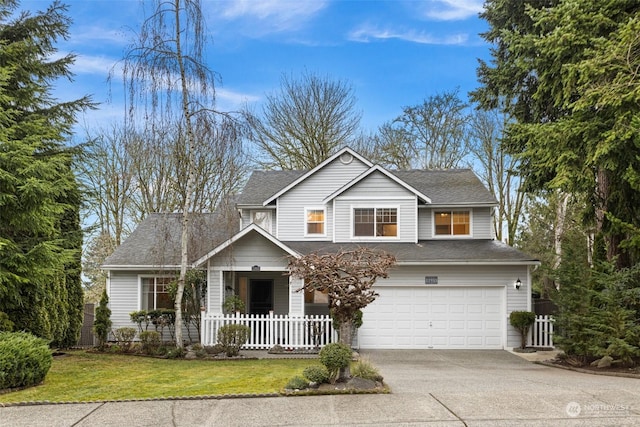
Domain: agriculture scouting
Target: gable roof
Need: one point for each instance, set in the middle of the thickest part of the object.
(317, 168)
(448, 186)
(156, 240)
(250, 228)
(376, 168)
(263, 184)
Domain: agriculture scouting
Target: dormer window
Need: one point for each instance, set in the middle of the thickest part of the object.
(315, 222)
(452, 223)
(375, 222)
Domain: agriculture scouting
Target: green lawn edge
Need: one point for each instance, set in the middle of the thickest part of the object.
(88, 377)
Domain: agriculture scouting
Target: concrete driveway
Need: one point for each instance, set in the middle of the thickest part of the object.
(431, 387)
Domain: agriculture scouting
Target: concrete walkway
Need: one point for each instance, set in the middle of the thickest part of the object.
(431, 387)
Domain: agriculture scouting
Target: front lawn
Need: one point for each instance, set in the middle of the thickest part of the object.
(79, 376)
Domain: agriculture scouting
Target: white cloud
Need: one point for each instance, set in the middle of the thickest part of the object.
(452, 10)
(87, 64)
(266, 16)
(229, 100)
(366, 33)
(87, 34)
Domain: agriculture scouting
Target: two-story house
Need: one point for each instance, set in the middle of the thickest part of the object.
(454, 285)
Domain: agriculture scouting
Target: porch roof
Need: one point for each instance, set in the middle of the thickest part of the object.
(432, 251)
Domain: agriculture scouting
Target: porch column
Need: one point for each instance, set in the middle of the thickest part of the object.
(296, 299)
(215, 289)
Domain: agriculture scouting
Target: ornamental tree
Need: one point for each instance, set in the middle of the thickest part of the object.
(347, 276)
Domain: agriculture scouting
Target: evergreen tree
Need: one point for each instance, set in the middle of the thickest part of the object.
(553, 63)
(39, 241)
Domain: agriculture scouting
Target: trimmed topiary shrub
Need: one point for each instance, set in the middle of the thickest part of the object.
(522, 321)
(363, 368)
(24, 359)
(233, 337)
(124, 337)
(150, 341)
(102, 322)
(335, 356)
(316, 374)
(297, 383)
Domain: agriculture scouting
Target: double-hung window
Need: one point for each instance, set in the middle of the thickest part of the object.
(315, 222)
(375, 222)
(155, 293)
(452, 223)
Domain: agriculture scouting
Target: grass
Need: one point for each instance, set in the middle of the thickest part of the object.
(82, 377)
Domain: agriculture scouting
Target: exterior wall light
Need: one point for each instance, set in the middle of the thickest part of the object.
(257, 268)
(517, 284)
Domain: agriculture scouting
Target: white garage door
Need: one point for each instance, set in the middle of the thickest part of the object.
(419, 317)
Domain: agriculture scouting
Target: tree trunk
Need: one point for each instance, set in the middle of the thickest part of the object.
(345, 338)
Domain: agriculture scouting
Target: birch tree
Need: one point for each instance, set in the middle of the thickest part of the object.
(168, 81)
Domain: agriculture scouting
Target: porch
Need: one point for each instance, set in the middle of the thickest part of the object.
(267, 330)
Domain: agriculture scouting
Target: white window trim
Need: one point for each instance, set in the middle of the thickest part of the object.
(451, 236)
(324, 228)
(148, 276)
(375, 206)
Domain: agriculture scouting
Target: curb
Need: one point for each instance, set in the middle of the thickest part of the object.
(588, 371)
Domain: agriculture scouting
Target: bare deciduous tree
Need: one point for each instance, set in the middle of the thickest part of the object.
(303, 124)
(168, 82)
(499, 171)
(431, 135)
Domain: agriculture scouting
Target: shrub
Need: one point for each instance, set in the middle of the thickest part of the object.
(24, 359)
(102, 322)
(232, 304)
(150, 341)
(363, 368)
(522, 321)
(214, 349)
(139, 318)
(176, 353)
(335, 356)
(297, 383)
(232, 337)
(124, 337)
(316, 374)
(6, 325)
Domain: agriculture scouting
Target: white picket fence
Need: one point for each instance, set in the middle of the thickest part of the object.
(271, 329)
(542, 332)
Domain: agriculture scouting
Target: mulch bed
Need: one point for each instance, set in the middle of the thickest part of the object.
(615, 371)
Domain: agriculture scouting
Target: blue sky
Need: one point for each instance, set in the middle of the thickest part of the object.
(393, 53)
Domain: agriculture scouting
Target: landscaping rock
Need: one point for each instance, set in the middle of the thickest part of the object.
(361, 384)
(605, 362)
(190, 355)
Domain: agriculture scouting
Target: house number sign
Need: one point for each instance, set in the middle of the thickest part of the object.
(430, 280)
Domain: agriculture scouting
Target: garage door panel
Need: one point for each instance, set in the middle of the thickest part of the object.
(419, 317)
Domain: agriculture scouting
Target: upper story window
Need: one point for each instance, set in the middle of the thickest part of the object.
(262, 219)
(375, 222)
(155, 293)
(452, 223)
(315, 222)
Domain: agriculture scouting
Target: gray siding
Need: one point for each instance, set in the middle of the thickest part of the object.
(376, 190)
(310, 193)
(478, 276)
(425, 226)
(481, 223)
(252, 249)
(124, 297)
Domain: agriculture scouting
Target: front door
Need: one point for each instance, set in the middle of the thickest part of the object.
(260, 296)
